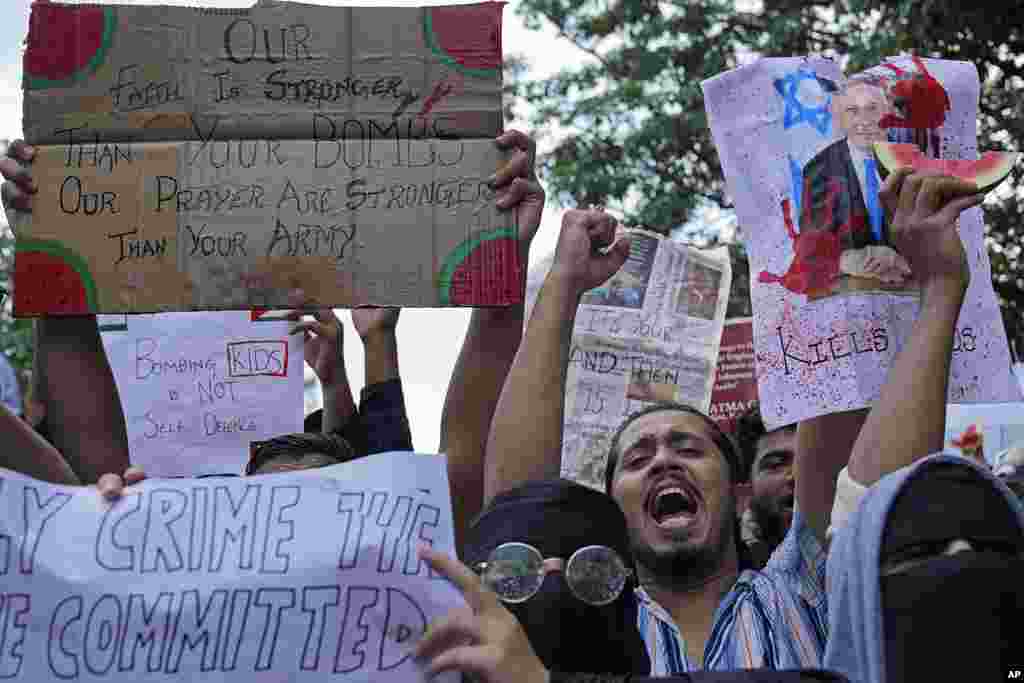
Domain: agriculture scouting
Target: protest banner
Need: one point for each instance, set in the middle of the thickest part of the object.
(202, 159)
(197, 388)
(833, 301)
(650, 333)
(10, 388)
(735, 389)
(296, 576)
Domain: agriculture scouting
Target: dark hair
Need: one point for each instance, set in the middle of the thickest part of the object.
(296, 445)
(720, 439)
(748, 431)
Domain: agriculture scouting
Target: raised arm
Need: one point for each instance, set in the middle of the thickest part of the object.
(324, 351)
(490, 344)
(823, 447)
(525, 442)
(23, 450)
(382, 415)
(908, 422)
(84, 420)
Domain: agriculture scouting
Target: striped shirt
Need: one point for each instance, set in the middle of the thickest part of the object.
(775, 618)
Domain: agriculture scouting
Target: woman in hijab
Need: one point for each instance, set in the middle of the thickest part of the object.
(926, 577)
(578, 625)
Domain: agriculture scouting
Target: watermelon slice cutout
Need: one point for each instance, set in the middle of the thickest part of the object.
(466, 37)
(66, 43)
(51, 279)
(483, 271)
(987, 172)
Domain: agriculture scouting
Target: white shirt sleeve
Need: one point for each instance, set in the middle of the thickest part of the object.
(848, 495)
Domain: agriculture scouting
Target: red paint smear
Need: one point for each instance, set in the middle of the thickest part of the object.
(443, 89)
(816, 253)
(469, 34)
(970, 439)
(923, 102)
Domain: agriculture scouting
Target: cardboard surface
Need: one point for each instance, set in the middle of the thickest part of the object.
(188, 189)
(149, 73)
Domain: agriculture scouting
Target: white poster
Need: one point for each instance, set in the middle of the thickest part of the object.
(650, 333)
(306, 576)
(833, 300)
(197, 388)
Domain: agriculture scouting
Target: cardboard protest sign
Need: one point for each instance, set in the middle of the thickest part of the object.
(199, 159)
(735, 389)
(650, 333)
(833, 300)
(198, 388)
(10, 389)
(277, 577)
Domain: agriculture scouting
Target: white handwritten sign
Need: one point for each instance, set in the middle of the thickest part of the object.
(197, 388)
(298, 576)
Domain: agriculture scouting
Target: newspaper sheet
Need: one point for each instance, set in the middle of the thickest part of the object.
(650, 333)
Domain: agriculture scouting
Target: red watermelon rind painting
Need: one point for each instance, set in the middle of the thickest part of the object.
(99, 56)
(433, 41)
(24, 248)
(459, 257)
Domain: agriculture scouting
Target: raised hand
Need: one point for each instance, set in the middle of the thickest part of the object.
(924, 209)
(588, 252)
(111, 486)
(18, 187)
(517, 186)
(484, 641)
(370, 320)
(323, 343)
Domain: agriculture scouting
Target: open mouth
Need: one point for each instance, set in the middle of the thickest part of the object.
(672, 506)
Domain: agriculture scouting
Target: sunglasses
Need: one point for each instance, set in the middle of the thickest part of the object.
(595, 574)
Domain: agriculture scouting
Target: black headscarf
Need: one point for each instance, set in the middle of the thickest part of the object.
(559, 517)
(969, 602)
(900, 609)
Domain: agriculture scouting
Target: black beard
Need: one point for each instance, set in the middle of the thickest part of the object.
(770, 521)
(685, 567)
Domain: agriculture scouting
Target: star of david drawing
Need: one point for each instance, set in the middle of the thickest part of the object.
(820, 116)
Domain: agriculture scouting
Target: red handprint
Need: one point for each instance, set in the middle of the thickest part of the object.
(922, 101)
(815, 266)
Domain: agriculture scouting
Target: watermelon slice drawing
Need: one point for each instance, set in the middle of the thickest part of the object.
(483, 271)
(66, 43)
(51, 279)
(466, 37)
(987, 172)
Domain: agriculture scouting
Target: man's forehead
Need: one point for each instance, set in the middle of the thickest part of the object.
(862, 91)
(662, 422)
